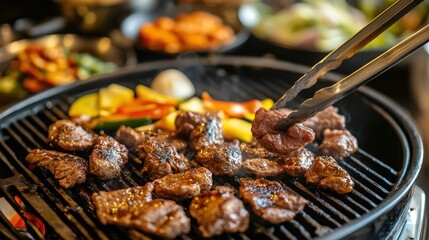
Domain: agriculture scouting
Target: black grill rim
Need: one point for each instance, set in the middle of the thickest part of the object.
(408, 174)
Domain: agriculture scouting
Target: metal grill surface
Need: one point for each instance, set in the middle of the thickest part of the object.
(69, 214)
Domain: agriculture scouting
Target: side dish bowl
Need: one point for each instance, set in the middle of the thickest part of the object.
(131, 26)
(103, 49)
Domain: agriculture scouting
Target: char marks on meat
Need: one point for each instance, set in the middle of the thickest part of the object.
(186, 122)
(184, 185)
(282, 143)
(270, 201)
(129, 136)
(207, 133)
(338, 143)
(132, 138)
(219, 211)
(68, 169)
(295, 165)
(299, 163)
(262, 167)
(134, 208)
(254, 150)
(327, 174)
(107, 158)
(161, 159)
(220, 159)
(161, 217)
(119, 207)
(67, 135)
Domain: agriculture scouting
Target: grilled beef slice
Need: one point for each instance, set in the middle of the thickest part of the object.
(328, 118)
(262, 167)
(132, 138)
(338, 143)
(69, 136)
(295, 165)
(107, 158)
(186, 122)
(219, 211)
(254, 150)
(206, 134)
(163, 218)
(184, 185)
(270, 201)
(119, 206)
(327, 174)
(298, 163)
(281, 143)
(220, 159)
(161, 159)
(68, 169)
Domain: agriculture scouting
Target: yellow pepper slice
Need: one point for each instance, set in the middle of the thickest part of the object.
(237, 128)
(85, 105)
(112, 97)
(149, 94)
(193, 105)
(267, 103)
(168, 122)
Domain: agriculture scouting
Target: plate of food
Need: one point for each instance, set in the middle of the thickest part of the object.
(185, 28)
(306, 31)
(30, 66)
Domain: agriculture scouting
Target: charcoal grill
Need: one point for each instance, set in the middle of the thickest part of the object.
(384, 169)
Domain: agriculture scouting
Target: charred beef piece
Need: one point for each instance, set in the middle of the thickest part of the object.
(254, 150)
(184, 185)
(67, 135)
(219, 211)
(107, 158)
(270, 201)
(186, 122)
(163, 218)
(338, 143)
(161, 159)
(262, 167)
(295, 165)
(206, 134)
(129, 137)
(327, 174)
(68, 169)
(329, 118)
(134, 208)
(220, 159)
(326, 119)
(282, 143)
(119, 207)
(132, 138)
(299, 163)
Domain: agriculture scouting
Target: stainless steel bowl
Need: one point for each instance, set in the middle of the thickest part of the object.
(93, 16)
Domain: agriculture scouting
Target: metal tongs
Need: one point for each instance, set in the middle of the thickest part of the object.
(329, 95)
